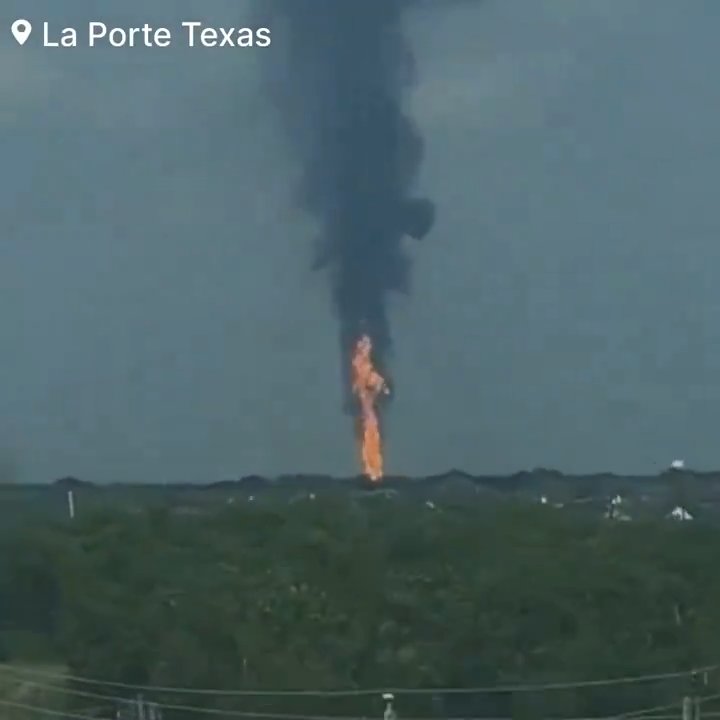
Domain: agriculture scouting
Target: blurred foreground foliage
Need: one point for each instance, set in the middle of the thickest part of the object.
(332, 592)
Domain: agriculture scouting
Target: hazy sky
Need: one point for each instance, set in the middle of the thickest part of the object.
(159, 318)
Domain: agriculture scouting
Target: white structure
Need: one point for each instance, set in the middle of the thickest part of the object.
(615, 512)
(679, 513)
(677, 465)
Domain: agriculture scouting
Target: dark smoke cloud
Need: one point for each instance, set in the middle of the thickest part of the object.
(340, 83)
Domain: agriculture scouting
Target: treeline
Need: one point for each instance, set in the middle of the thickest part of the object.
(336, 593)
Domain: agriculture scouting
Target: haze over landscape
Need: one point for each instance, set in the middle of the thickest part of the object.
(161, 320)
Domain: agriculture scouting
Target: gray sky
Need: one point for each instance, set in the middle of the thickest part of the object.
(160, 321)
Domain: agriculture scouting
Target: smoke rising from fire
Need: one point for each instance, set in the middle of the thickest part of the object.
(340, 87)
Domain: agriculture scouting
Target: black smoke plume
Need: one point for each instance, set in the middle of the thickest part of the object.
(344, 70)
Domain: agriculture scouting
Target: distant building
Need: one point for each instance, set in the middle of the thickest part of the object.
(679, 513)
(615, 510)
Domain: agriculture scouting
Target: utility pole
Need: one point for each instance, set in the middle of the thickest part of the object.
(687, 708)
(691, 703)
(140, 708)
(389, 713)
(697, 681)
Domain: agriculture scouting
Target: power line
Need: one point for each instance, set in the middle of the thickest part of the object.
(641, 714)
(194, 709)
(66, 715)
(487, 690)
(45, 711)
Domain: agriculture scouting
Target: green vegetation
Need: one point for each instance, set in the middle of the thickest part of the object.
(337, 592)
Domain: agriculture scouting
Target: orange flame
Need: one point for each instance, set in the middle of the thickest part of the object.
(368, 384)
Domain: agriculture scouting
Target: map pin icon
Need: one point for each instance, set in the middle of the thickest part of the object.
(21, 30)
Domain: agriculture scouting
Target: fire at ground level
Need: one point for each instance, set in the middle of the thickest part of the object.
(595, 495)
(367, 386)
